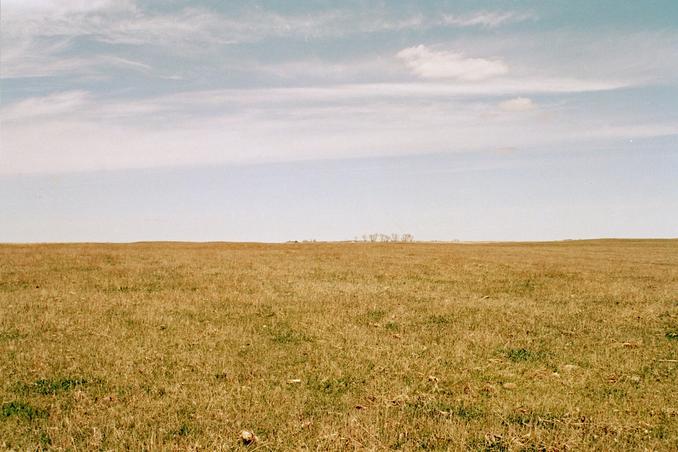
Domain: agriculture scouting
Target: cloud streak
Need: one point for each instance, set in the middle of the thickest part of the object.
(80, 132)
(195, 102)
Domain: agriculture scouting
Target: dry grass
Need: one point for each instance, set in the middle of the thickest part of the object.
(436, 346)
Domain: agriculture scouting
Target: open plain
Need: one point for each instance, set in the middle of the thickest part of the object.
(327, 346)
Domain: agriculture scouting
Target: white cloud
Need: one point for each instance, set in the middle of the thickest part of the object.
(518, 104)
(427, 63)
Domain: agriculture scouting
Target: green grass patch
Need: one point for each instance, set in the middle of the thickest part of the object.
(332, 386)
(285, 334)
(441, 408)
(439, 319)
(11, 335)
(518, 355)
(545, 420)
(50, 386)
(55, 386)
(22, 410)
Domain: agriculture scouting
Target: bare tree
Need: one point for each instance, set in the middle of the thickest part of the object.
(394, 237)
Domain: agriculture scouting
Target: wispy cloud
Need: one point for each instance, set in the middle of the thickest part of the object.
(489, 19)
(53, 105)
(38, 34)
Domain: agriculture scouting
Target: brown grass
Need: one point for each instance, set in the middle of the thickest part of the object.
(570, 345)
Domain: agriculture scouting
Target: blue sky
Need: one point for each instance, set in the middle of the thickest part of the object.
(126, 120)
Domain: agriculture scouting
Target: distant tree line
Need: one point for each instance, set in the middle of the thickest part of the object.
(391, 238)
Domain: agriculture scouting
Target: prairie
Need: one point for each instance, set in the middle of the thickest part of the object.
(335, 346)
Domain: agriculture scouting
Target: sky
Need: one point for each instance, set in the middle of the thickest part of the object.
(126, 120)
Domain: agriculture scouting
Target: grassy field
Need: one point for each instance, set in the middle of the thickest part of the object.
(570, 345)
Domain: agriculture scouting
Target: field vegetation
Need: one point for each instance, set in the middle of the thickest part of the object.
(335, 346)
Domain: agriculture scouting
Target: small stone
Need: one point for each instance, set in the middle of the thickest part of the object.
(555, 375)
(635, 379)
(248, 437)
(509, 386)
(432, 379)
(294, 381)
